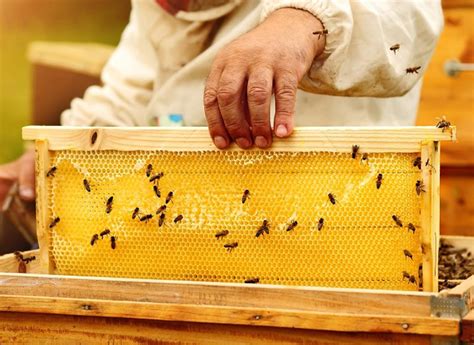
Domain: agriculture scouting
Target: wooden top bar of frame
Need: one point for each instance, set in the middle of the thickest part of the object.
(331, 139)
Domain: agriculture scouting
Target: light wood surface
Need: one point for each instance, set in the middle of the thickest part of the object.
(334, 139)
(9, 263)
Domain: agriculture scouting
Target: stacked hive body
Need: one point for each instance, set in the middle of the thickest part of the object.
(359, 244)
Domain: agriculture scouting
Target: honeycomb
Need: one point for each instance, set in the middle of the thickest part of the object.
(359, 245)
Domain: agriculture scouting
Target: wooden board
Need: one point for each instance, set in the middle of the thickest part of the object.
(333, 139)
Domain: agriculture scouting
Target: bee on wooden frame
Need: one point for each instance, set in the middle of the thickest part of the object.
(29, 259)
(443, 123)
(252, 280)
(355, 149)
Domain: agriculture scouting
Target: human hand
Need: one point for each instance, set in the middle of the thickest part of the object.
(22, 171)
(273, 57)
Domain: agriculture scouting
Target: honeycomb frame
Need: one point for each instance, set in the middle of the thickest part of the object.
(359, 244)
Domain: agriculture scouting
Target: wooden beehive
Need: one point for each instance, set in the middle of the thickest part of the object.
(359, 245)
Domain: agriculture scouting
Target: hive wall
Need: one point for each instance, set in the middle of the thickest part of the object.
(359, 245)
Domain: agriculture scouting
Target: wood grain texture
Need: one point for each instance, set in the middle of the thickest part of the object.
(333, 139)
(9, 263)
(28, 328)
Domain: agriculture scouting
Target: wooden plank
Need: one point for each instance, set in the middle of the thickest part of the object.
(42, 218)
(27, 328)
(467, 326)
(333, 139)
(9, 263)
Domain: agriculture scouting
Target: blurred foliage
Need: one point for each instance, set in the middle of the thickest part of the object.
(23, 21)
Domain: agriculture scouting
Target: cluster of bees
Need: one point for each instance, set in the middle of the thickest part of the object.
(455, 264)
(22, 261)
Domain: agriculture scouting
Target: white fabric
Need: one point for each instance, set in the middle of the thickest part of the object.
(161, 63)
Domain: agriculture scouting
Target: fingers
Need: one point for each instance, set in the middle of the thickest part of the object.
(231, 106)
(26, 177)
(286, 84)
(259, 93)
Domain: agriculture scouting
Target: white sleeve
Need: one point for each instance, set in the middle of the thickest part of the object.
(357, 60)
(128, 78)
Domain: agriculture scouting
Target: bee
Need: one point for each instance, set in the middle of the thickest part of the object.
(108, 205)
(413, 70)
(411, 227)
(417, 162)
(18, 256)
(394, 48)
(263, 229)
(355, 149)
(292, 225)
(178, 218)
(149, 169)
(28, 260)
(245, 196)
(407, 254)
(320, 224)
(146, 218)
(169, 197)
(406, 275)
(161, 220)
(51, 172)
(54, 222)
(104, 233)
(332, 198)
(135, 213)
(161, 209)
(157, 191)
(427, 164)
(397, 221)
(87, 186)
(231, 246)
(156, 177)
(365, 158)
(113, 242)
(222, 233)
(252, 280)
(378, 183)
(419, 187)
(412, 279)
(21, 267)
(443, 123)
(320, 33)
(94, 239)
(93, 138)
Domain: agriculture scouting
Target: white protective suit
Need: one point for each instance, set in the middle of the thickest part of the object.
(163, 59)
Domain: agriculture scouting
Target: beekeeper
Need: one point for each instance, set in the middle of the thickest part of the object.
(220, 63)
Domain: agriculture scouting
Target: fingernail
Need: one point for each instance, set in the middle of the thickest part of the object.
(281, 131)
(27, 193)
(261, 142)
(242, 142)
(220, 142)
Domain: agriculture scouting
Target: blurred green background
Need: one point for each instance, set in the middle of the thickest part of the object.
(23, 21)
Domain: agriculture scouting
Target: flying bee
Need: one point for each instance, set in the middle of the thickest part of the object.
(18, 256)
(87, 185)
(113, 242)
(54, 222)
(94, 239)
(365, 158)
(28, 260)
(178, 218)
(412, 279)
(135, 213)
(355, 149)
(320, 224)
(413, 69)
(378, 183)
(417, 162)
(252, 280)
(397, 220)
(222, 233)
(146, 218)
(419, 187)
(231, 246)
(332, 198)
(161, 209)
(169, 197)
(157, 191)
(394, 48)
(156, 177)
(245, 196)
(292, 225)
(161, 220)
(321, 33)
(411, 227)
(407, 254)
(51, 172)
(406, 275)
(149, 169)
(443, 123)
(108, 205)
(104, 233)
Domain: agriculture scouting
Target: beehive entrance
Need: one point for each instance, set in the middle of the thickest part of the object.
(358, 246)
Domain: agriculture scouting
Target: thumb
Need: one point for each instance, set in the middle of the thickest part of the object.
(26, 178)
